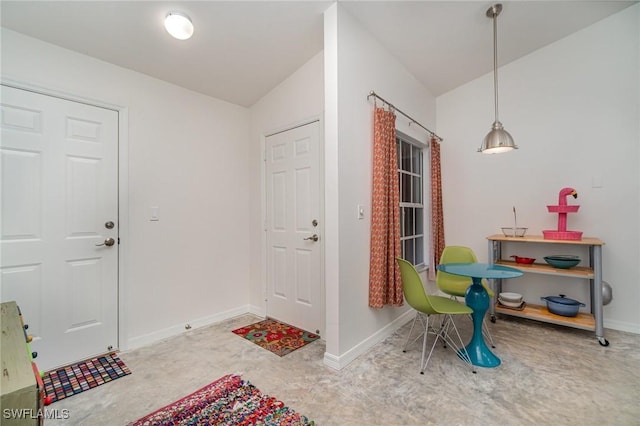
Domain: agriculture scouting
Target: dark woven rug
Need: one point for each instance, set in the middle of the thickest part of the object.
(79, 377)
(227, 401)
(276, 336)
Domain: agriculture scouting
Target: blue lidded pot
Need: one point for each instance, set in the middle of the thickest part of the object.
(563, 305)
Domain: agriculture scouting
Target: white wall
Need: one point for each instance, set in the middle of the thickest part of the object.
(573, 109)
(357, 64)
(300, 97)
(188, 155)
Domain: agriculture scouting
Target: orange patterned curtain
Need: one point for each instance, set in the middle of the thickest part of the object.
(385, 285)
(437, 214)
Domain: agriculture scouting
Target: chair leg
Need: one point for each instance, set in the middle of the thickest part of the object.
(460, 349)
(487, 333)
(485, 328)
(406, 344)
(423, 363)
(443, 332)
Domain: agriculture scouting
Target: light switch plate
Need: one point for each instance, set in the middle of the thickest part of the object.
(360, 212)
(154, 215)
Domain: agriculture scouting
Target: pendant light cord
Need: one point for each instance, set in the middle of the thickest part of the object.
(495, 61)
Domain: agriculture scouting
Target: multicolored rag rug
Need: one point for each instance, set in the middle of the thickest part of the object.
(227, 401)
(276, 336)
(79, 377)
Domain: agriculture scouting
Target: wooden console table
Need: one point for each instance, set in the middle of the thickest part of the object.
(587, 321)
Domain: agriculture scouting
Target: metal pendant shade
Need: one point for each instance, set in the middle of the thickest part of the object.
(498, 139)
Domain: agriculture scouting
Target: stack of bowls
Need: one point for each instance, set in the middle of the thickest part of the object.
(510, 300)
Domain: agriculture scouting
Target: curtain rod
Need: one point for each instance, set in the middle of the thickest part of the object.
(372, 93)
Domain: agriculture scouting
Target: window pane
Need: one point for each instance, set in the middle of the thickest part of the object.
(409, 253)
(419, 214)
(417, 160)
(405, 194)
(402, 213)
(408, 221)
(417, 189)
(419, 250)
(406, 156)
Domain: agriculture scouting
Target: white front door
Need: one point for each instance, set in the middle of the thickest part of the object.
(59, 200)
(294, 237)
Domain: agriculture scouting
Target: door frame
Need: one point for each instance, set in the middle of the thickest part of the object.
(123, 188)
(321, 215)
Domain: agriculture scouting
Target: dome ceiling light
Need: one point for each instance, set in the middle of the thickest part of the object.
(178, 25)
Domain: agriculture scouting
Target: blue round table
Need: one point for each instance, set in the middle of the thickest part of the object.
(477, 299)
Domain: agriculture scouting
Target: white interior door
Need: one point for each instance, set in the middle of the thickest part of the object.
(59, 195)
(294, 238)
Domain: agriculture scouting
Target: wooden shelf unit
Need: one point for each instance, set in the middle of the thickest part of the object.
(22, 398)
(593, 273)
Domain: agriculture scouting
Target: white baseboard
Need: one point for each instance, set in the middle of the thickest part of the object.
(341, 361)
(174, 330)
(337, 362)
(257, 310)
(621, 326)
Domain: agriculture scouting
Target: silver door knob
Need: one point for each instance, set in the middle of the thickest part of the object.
(108, 242)
(314, 237)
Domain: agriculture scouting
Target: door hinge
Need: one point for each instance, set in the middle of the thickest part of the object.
(118, 240)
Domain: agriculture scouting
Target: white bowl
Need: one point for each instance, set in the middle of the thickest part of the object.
(511, 297)
(510, 304)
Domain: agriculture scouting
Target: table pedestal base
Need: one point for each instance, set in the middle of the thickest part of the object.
(481, 355)
(477, 299)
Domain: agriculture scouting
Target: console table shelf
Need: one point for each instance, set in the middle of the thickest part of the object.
(583, 320)
(540, 268)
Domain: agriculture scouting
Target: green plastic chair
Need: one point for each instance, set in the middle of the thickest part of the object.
(427, 305)
(456, 285)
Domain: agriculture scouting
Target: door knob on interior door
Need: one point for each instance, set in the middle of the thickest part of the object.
(108, 242)
(314, 237)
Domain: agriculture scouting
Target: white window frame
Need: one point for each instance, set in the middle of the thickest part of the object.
(408, 234)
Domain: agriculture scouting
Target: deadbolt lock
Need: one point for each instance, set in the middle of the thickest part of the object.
(109, 225)
(314, 222)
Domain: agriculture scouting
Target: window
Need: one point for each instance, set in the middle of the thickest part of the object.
(412, 208)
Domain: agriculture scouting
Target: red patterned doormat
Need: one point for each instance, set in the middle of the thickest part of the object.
(227, 401)
(79, 377)
(276, 336)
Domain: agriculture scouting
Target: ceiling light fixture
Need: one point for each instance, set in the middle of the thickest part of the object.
(498, 139)
(178, 25)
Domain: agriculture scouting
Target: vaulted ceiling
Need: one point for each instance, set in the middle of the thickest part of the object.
(242, 49)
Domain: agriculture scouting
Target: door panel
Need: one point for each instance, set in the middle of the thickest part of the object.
(294, 284)
(59, 187)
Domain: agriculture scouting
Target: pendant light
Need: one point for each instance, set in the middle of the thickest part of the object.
(498, 139)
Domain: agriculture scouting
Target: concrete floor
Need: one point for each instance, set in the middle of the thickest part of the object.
(549, 375)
